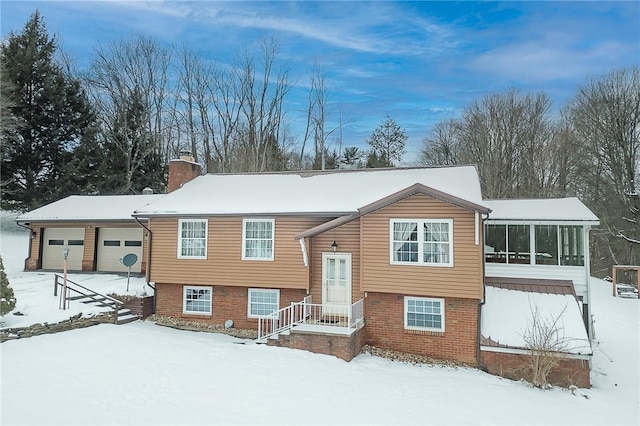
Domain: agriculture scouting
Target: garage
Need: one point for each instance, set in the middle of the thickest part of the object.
(54, 241)
(114, 244)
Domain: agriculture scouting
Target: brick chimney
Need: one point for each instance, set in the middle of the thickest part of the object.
(182, 170)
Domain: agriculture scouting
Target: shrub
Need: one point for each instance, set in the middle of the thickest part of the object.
(7, 298)
(547, 344)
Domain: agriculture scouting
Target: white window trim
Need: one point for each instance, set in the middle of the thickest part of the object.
(206, 238)
(421, 242)
(251, 290)
(273, 239)
(431, 299)
(184, 299)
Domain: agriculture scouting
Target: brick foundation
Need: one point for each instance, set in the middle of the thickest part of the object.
(228, 303)
(384, 315)
(341, 346)
(87, 265)
(142, 306)
(568, 372)
(31, 264)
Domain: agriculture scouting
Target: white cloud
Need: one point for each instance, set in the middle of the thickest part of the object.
(539, 61)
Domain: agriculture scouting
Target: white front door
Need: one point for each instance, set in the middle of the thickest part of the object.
(336, 281)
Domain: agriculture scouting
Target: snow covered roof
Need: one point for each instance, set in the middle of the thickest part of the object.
(552, 209)
(332, 193)
(508, 315)
(89, 208)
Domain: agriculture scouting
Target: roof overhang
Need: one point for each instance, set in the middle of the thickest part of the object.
(414, 189)
(28, 221)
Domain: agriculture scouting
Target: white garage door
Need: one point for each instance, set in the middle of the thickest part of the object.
(55, 239)
(114, 244)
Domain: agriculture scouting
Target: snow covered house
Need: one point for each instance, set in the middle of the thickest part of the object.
(326, 261)
(330, 261)
(97, 230)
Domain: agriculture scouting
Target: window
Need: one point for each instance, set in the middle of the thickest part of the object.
(111, 243)
(56, 242)
(495, 243)
(128, 243)
(192, 240)
(518, 244)
(423, 314)
(197, 300)
(257, 239)
(507, 244)
(546, 244)
(552, 244)
(571, 246)
(262, 302)
(422, 241)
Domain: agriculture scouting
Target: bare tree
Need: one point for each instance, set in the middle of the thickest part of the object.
(501, 134)
(605, 116)
(128, 81)
(261, 109)
(440, 148)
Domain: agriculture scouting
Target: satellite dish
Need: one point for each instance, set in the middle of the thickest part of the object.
(129, 259)
(228, 323)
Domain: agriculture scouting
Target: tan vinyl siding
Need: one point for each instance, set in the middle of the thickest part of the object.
(90, 244)
(463, 280)
(224, 264)
(348, 238)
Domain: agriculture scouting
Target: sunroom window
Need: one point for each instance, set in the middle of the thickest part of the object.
(552, 244)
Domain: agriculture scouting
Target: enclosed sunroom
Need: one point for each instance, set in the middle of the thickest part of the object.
(540, 239)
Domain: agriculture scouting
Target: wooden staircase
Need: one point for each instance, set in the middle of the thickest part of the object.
(89, 297)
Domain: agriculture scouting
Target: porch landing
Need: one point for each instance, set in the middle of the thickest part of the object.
(322, 340)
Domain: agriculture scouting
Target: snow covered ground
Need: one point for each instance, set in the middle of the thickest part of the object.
(143, 374)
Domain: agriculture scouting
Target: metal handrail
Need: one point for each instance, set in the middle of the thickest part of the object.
(56, 283)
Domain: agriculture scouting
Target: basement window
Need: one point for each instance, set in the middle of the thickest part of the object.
(262, 302)
(197, 300)
(425, 314)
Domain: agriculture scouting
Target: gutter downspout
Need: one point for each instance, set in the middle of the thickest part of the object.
(148, 271)
(30, 238)
(484, 300)
(587, 263)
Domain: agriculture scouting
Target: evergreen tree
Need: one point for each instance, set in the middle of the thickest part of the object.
(7, 298)
(376, 161)
(131, 153)
(387, 144)
(50, 115)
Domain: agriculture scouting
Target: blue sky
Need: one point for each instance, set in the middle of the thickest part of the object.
(418, 62)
